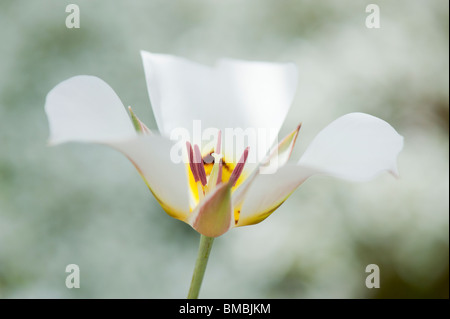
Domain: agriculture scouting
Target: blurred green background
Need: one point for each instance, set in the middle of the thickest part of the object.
(86, 204)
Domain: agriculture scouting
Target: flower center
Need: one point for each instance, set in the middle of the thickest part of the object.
(207, 171)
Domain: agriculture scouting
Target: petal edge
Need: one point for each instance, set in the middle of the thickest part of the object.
(354, 147)
(86, 109)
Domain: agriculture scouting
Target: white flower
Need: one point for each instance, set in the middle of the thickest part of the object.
(214, 197)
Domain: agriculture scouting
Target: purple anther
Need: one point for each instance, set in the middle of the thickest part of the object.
(198, 162)
(191, 161)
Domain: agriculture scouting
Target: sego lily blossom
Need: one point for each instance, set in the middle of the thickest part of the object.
(212, 191)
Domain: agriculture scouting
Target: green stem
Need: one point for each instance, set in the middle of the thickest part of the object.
(200, 265)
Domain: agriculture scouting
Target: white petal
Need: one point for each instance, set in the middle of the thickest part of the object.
(269, 191)
(167, 180)
(85, 108)
(261, 93)
(278, 157)
(177, 89)
(234, 94)
(280, 154)
(355, 147)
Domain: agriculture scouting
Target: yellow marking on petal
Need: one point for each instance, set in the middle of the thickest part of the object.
(255, 219)
(227, 169)
(260, 216)
(169, 210)
(237, 213)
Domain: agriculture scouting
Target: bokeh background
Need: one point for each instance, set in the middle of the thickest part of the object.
(86, 204)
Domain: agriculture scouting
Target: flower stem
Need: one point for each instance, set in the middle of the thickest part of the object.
(200, 265)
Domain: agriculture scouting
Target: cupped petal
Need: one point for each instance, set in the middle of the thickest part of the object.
(267, 192)
(86, 109)
(232, 95)
(261, 93)
(214, 215)
(178, 90)
(355, 147)
(168, 182)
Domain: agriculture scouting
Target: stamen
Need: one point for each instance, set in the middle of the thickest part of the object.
(219, 142)
(198, 162)
(215, 177)
(239, 168)
(191, 161)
